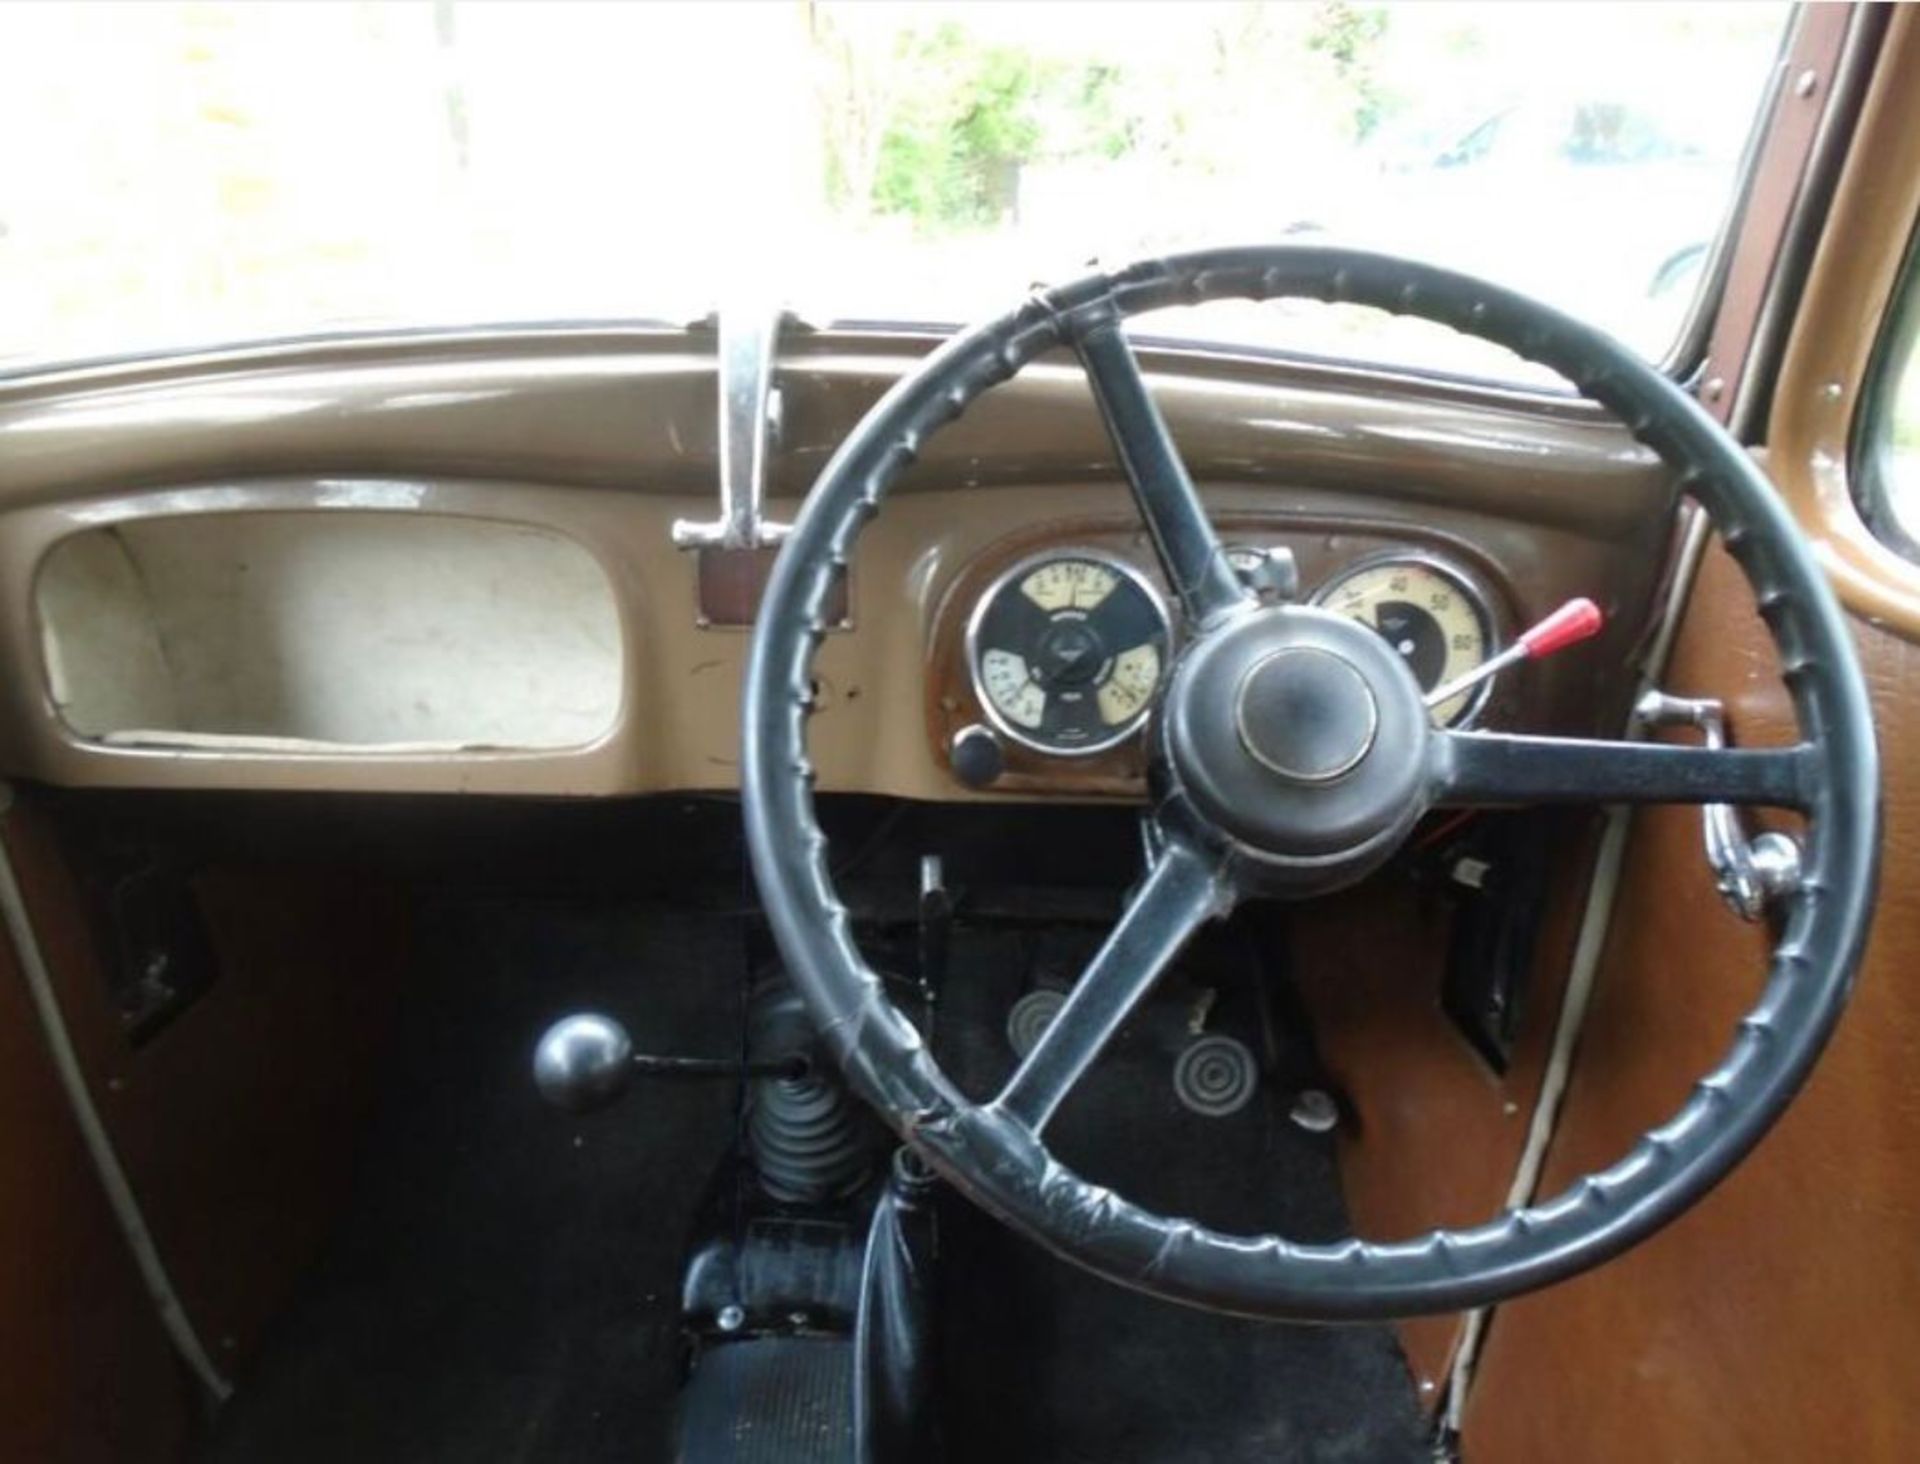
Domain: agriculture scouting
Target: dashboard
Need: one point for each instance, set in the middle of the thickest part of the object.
(459, 572)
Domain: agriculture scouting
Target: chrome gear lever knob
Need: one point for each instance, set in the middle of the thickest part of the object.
(583, 1062)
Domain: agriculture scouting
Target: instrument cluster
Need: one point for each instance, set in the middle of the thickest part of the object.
(1067, 649)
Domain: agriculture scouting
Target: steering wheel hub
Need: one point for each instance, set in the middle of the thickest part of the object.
(1301, 735)
(1308, 714)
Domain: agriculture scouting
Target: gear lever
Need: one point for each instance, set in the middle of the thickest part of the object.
(586, 1062)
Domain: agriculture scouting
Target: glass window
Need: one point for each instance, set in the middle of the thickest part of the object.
(1903, 457)
(180, 173)
(1887, 466)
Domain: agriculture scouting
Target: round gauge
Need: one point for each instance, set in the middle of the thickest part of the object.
(1067, 651)
(1427, 611)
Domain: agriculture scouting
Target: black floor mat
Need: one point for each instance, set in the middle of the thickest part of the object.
(770, 1400)
(505, 1285)
(1070, 1369)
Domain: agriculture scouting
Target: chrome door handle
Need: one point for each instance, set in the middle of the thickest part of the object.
(1749, 873)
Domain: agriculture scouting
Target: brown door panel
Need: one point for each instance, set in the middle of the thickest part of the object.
(1781, 1319)
(238, 1122)
(90, 1378)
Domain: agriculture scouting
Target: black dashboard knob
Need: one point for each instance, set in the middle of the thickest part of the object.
(977, 757)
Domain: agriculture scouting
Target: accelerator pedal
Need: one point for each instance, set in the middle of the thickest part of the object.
(770, 1400)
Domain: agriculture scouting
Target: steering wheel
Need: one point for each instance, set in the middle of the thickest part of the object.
(1291, 754)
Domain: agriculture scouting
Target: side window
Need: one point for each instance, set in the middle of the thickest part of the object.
(1887, 447)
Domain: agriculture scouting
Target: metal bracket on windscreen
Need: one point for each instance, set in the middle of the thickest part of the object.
(748, 430)
(737, 549)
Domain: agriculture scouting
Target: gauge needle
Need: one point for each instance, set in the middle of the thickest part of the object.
(1572, 623)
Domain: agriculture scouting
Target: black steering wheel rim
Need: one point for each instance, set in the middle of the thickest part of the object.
(993, 1152)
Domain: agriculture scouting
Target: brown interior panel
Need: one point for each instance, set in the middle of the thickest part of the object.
(91, 1377)
(1433, 1133)
(236, 1122)
(1780, 1319)
(1828, 367)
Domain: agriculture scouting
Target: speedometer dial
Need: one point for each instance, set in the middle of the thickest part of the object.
(1067, 651)
(1427, 611)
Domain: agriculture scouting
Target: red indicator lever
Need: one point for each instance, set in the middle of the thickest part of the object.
(1572, 623)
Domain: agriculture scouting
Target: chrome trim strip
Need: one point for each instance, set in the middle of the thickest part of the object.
(120, 1196)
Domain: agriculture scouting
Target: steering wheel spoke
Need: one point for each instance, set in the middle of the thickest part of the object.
(1488, 768)
(1190, 552)
(1187, 886)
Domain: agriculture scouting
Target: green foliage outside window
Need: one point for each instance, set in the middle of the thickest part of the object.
(953, 141)
(933, 125)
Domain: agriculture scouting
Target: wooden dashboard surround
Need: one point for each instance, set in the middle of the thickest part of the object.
(1322, 544)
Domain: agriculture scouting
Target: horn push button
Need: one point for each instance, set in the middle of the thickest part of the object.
(1307, 714)
(1301, 735)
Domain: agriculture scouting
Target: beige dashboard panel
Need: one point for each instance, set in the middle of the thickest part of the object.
(596, 441)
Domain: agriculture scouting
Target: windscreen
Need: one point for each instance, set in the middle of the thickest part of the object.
(175, 174)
